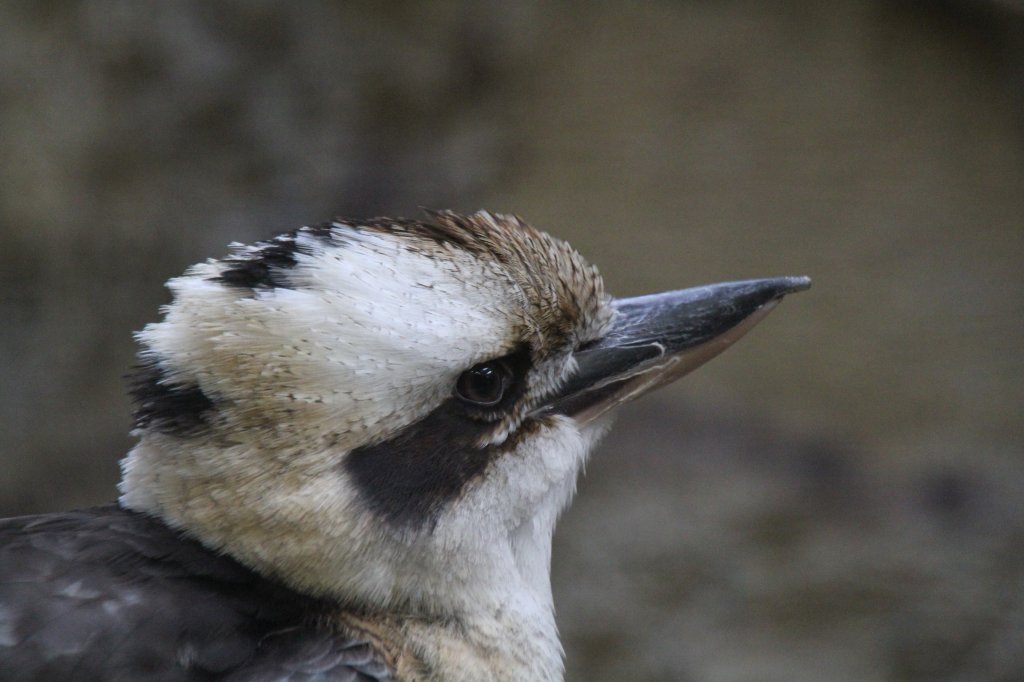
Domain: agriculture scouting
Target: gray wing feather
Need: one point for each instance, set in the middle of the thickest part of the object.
(107, 594)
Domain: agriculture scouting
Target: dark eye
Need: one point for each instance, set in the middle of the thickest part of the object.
(484, 384)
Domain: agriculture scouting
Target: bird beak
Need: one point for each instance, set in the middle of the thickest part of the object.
(656, 339)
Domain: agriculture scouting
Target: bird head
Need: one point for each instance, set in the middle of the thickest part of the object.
(393, 413)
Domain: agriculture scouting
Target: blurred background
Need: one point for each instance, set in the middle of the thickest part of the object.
(839, 497)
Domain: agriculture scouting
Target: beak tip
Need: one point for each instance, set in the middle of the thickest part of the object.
(790, 285)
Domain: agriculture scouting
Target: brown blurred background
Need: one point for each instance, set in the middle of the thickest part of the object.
(840, 497)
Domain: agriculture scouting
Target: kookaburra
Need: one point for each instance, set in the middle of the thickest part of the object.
(354, 441)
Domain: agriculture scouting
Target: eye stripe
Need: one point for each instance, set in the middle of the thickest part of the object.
(410, 478)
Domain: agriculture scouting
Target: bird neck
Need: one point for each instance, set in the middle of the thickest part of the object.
(471, 595)
(485, 614)
(516, 642)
